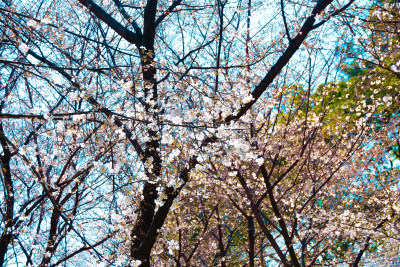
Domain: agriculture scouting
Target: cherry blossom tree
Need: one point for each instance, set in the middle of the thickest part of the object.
(141, 133)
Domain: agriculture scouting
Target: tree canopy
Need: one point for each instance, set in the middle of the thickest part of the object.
(199, 133)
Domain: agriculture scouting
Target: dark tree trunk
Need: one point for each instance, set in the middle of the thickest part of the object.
(6, 236)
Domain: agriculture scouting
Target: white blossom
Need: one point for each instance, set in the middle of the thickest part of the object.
(24, 48)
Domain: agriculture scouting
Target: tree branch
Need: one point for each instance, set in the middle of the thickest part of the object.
(285, 22)
(128, 18)
(366, 244)
(131, 37)
(169, 10)
(283, 60)
(337, 12)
